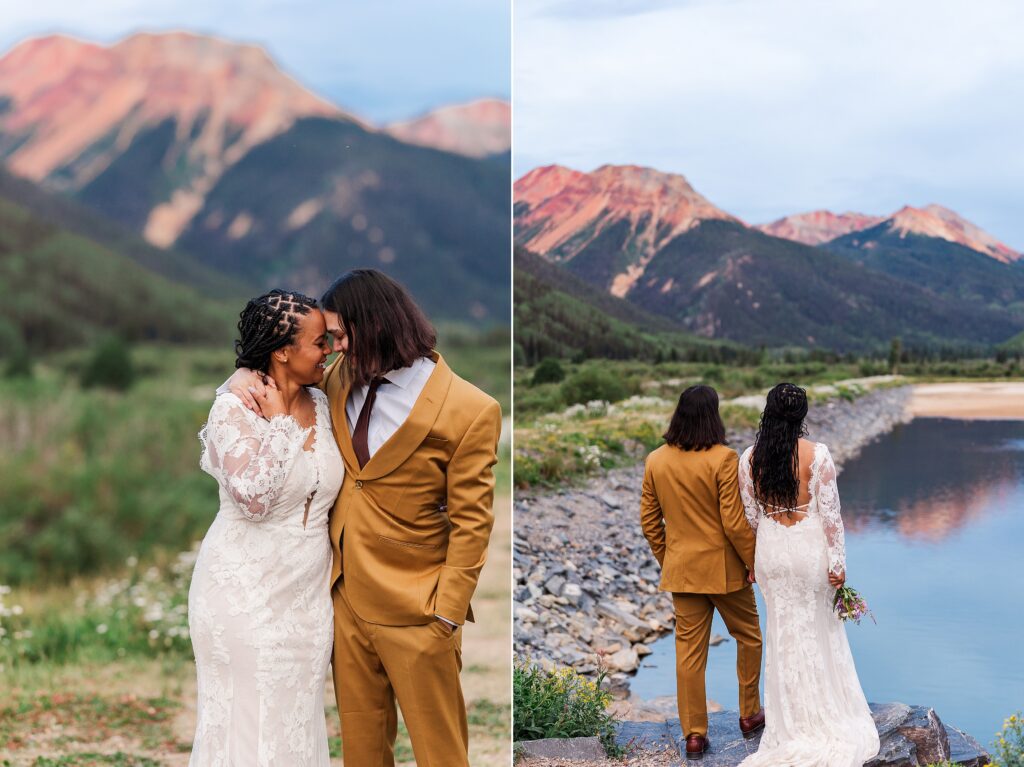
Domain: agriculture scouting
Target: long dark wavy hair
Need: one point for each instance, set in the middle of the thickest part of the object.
(268, 323)
(775, 461)
(696, 423)
(386, 328)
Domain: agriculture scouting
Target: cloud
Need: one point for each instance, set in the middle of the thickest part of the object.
(770, 107)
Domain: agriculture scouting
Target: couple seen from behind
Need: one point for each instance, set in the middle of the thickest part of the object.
(355, 513)
(717, 522)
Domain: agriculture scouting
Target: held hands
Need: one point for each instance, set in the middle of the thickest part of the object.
(750, 577)
(837, 579)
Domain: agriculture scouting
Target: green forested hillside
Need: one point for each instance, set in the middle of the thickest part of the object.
(559, 315)
(946, 268)
(439, 222)
(61, 290)
(724, 280)
(75, 218)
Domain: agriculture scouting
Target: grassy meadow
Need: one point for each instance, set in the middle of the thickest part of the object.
(101, 510)
(576, 418)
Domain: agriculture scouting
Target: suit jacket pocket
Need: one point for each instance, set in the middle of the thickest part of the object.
(408, 544)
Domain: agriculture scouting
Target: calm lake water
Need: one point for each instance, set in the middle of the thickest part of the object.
(934, 517)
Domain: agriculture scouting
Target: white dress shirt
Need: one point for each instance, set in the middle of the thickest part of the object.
(394, 401)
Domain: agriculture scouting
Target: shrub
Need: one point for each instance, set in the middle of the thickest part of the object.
(591, 384)
(560, 704)
(19, 362)
(1009, 743)
(548, 371)
(110, 366)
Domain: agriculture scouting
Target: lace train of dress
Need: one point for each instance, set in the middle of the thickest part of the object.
(816, 714)
(260, 611)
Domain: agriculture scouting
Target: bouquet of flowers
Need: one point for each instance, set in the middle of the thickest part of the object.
(851, 606)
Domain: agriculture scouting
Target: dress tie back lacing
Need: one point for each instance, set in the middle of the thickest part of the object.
(801, 509)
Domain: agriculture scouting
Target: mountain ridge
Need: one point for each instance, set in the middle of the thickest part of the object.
(560, 212)
(478, 128)
(154, 131)
(720, 278)
(819, 227)
(75, 105)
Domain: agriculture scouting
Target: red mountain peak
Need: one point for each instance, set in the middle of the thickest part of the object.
(938, 221)
(818, 226)
(564, 210)
(476, 129)
(78, 105)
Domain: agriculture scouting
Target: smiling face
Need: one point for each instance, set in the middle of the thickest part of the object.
(305, 358)
(338, 332)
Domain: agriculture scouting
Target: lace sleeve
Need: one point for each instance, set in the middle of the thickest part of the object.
(826, 494)
(250, 462)
(750, 507)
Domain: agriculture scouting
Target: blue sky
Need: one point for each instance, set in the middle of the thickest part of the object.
(382, 59)
(771, 107)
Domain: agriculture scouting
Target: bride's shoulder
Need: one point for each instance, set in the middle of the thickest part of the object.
(820, 453)
(229, 406)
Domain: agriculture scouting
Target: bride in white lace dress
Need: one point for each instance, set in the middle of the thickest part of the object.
(260, 611)
(815, 711)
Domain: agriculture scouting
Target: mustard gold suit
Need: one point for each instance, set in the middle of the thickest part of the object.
(692, 516)
(410, 531)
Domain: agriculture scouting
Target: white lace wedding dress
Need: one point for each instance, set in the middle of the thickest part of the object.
(260, 611)
(815, 711)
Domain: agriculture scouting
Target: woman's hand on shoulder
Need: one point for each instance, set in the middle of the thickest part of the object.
(247, 384)
(270, 401)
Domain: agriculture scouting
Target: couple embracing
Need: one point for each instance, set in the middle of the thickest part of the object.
(355, 513)
(717, 522)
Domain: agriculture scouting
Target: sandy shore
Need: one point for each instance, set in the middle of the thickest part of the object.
(999, 400)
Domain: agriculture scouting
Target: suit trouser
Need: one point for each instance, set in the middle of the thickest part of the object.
(419, 665)
(693, 633)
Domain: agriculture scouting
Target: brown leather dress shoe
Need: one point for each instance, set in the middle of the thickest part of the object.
(696, 745)
(751, 725)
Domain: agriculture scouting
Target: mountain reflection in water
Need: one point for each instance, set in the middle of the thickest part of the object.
(950, 473)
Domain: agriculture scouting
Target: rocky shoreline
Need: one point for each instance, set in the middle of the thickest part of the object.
(586, 585)
(909, 736)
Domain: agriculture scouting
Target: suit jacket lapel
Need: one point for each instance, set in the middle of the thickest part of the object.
(337, 396)
(410, 434)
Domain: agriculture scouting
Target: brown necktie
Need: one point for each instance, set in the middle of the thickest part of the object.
(360, 436)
